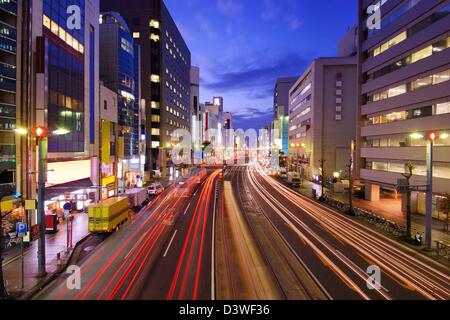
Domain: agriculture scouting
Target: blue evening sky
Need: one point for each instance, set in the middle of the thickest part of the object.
(242, 46)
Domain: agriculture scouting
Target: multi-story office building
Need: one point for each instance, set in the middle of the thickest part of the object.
(165, 71)
(61, 62)
(9, 95)
(118, 58)
(196, 131)
(280, 131)
(281, 95)
(404, 73)
(322, 117)
(107, 145)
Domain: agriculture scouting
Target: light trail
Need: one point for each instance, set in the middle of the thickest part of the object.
(407, 270)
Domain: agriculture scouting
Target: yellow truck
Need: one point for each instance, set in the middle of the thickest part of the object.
(108, 215)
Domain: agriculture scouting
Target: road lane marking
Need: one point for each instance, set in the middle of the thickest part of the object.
(187, 208)
(170, 243)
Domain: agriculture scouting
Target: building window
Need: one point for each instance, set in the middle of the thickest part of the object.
(154, 24)
(154, 78)
(136, 35)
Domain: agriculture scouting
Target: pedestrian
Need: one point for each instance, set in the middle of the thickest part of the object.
(419, 237)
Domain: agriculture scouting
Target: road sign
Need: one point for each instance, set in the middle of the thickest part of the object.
(21, 229)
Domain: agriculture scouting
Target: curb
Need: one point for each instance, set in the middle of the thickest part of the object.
(50, 277)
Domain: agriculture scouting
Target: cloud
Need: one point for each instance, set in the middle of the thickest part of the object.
(206, 27)
(256, 77)
(231, 8)
(270, 10)
(293, 22)
(252, 118)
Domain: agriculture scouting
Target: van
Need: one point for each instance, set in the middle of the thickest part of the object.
(155, 189)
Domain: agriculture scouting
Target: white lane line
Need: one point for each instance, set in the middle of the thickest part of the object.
(185, 211)
(170, 243)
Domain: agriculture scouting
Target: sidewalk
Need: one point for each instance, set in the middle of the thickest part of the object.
(54, 244)
(390, 209)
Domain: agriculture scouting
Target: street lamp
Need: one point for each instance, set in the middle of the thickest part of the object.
(41, 134)
(430, 137)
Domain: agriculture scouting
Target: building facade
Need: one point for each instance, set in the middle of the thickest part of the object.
(322, 118)
(119, 57)
(9, 96)
(60, 69)
(404, 73)
(165, 72)
(281, 95)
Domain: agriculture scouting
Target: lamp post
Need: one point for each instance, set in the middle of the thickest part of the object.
(430, 138)
(41, 134)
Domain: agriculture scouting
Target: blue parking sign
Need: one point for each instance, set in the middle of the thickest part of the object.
(21, 229)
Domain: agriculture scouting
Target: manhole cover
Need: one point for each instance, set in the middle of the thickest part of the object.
(89, 249)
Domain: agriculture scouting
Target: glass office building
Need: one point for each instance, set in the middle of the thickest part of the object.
(117, 71)
(65, 77)
(8, 76)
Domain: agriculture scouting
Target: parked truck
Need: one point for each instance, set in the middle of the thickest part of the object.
(137, 197)
(108, 215)
(294, 179)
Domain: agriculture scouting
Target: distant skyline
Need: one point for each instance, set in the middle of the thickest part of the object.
(242, 47)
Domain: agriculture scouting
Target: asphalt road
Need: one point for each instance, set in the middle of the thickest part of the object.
(338, 250)
(183, 271)
(164, 252)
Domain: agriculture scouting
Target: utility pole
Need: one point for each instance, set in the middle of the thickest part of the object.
(408, 177)
(429, 211)
(350, 187)
(322, 168)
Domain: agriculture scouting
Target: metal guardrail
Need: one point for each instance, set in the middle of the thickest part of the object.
(370, 217)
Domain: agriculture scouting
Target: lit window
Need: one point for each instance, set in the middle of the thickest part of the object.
(422, 54)
(155, 131)
(136, 35)
(154, 24)
(441, 77)
(397, 91)
(154, 78)
(46, 22)
(62, 34)
(155, 118)
(154, 37)
(155, 144)
(55, 28)
(443, 108)
(155, 105)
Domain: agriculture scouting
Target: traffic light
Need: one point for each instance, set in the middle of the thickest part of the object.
(40, 132)
(432, 136)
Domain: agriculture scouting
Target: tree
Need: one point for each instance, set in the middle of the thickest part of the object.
(444, 207)
(351, 210)
(410, 169)
(322, 184)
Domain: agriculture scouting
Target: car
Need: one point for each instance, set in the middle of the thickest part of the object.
(155, 189)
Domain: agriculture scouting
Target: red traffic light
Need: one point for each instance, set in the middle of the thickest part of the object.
(40, 132)
(432, 136)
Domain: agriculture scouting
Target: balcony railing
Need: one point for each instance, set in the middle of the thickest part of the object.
(7, 70)
(9, 6)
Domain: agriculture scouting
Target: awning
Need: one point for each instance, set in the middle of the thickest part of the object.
(61, 189)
